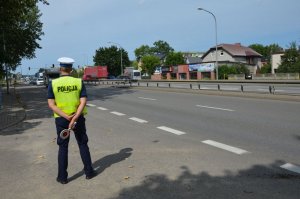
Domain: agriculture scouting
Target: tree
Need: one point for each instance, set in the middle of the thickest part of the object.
(261, 49)
(142, 51)
(266, 69)
(273, 48)
(162, 47)
(20, 29)
(290, 62)
(149, 63)
(241, 69)
(111, 57)
(225, 70)
(174, 58)
(266, 51)
(135, 64)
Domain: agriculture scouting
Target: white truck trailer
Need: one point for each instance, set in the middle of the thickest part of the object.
(133, 74)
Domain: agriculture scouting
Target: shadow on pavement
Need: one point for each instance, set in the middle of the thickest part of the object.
(105, 162)
(259, 181)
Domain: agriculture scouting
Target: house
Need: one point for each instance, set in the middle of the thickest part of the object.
(192, 57)
(193, 60)
(276, 61)
(234, 54)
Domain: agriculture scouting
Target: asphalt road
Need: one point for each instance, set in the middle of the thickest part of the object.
(154, 144)
(252, 123)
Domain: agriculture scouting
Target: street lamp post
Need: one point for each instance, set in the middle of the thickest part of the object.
(217, 77)
(121, 49)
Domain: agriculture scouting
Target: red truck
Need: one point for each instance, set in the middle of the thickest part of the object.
(95, 72)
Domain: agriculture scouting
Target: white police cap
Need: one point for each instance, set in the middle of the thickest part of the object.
(66, 61)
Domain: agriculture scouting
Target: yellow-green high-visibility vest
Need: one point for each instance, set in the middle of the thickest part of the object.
(67, 94)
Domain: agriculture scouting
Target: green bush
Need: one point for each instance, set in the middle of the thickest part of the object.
(225, 70)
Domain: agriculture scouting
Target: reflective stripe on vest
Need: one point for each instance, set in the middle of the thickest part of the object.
(67, 94)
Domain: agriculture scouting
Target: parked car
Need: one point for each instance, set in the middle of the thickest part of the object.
(39, 81)
(248, 76)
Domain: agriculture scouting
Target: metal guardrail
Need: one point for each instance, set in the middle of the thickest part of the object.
(272, 87)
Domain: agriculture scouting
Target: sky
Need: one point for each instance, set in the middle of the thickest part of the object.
(77, 28)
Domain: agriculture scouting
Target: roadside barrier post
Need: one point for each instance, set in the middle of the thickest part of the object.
(270, 89)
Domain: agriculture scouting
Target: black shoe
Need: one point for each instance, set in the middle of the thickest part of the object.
(62, 181)
(88, 177)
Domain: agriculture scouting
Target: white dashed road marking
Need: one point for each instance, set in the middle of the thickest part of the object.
(225, 147)
(174, 131)
(291, 167)
(91, 105)
(210, 107)
(145, 98)
(101, 108)
(117, 113)
(138, 120)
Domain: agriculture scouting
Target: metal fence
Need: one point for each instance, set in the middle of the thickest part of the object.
(267, 76)
(290, 87)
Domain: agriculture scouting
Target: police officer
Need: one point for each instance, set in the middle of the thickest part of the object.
(67, 98)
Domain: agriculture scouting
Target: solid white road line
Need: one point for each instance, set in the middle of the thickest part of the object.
(145, 98)
(138, 120)
(174, 131)
(101, 108)
(210, 107)
(291, 167)
(225, 147)
(117, 113)
(91, 105)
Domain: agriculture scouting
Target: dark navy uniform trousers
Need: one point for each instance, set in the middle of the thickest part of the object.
(82, 140)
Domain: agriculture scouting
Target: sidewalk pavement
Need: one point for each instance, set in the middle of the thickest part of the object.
(11, 111)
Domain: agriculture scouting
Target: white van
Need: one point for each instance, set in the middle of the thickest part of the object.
(39, 81)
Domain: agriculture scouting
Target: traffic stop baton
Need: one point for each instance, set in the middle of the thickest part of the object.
(64, 134)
